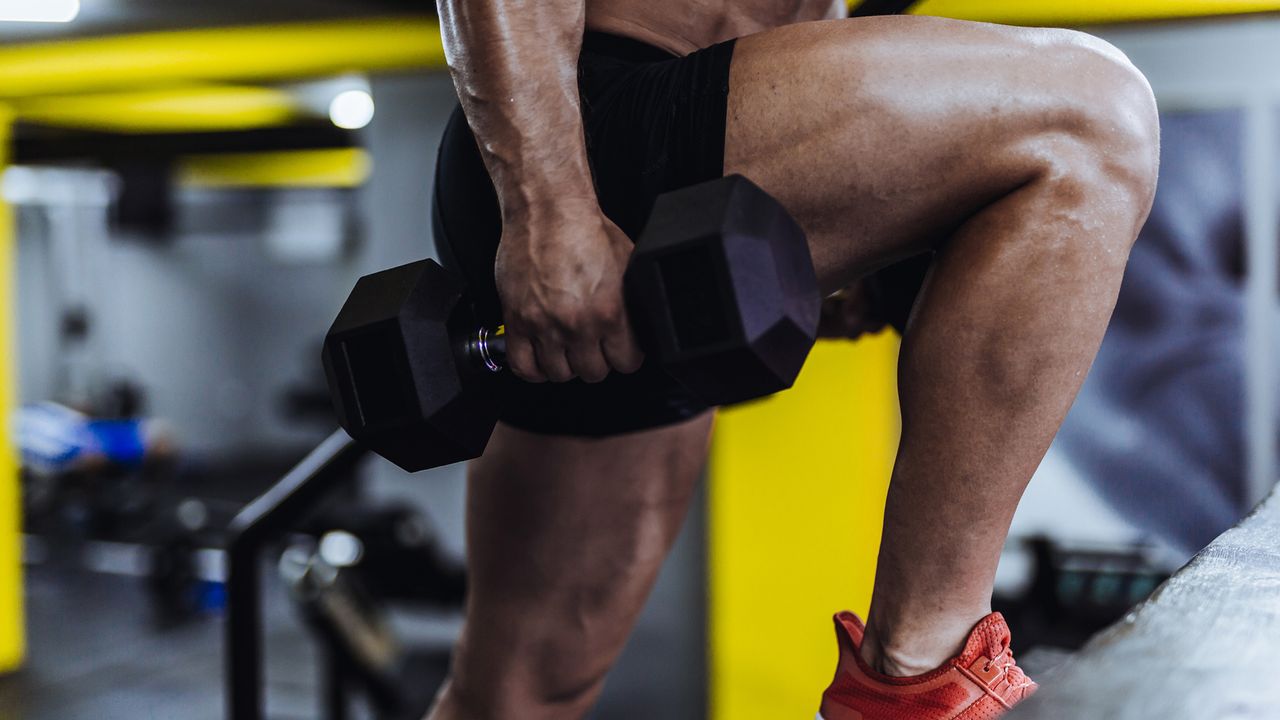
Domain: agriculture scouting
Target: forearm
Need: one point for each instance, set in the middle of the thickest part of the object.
(514, 63)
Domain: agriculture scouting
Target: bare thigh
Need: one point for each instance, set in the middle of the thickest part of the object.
(883, 135)
(565, 539)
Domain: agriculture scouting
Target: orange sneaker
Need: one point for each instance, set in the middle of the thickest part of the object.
(981, 683)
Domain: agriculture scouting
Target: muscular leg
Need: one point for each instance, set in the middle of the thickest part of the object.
(565, 538)
(1027, 159)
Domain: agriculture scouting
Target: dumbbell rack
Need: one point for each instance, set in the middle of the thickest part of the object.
(260, 523)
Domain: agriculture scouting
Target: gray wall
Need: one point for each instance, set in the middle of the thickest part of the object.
(211, 325)
(217, 327)
(36, 317)
(211, 322)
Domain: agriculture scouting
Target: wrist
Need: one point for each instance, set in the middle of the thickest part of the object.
(532, 203)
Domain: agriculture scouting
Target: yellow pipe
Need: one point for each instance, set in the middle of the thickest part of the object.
(337, 167)
(177, 109)
(12, 635)
(285, 51)
(240, 54)
(297, 50)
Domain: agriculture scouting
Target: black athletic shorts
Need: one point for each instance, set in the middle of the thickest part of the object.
(654, 122)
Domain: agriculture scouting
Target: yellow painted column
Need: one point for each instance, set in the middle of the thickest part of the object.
(12, 631)
(796, 496)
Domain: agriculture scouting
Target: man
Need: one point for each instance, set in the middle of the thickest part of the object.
(1025, 159)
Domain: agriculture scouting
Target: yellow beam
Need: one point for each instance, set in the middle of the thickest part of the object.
(219, 55)
(1087, 12)
(796, 496)
(338, 167)
(12, 631)
(287, 51)
(180, 109)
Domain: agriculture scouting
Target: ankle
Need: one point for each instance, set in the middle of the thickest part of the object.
(916, 648)
(897, 661)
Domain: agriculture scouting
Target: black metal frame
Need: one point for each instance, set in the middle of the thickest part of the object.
(332, 463)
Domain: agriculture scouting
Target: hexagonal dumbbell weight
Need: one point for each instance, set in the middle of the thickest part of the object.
(721, 292)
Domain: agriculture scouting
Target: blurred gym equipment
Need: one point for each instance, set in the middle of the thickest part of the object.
(344, 568)
(345, 576)
(1206, 645)
(1075, 592)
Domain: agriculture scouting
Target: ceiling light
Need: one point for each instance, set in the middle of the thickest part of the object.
(351, 109)
(39, 10)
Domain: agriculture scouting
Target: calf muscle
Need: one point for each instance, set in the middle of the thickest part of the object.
(1027, 160)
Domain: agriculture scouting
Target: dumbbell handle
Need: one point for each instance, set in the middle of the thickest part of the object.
(489, 348)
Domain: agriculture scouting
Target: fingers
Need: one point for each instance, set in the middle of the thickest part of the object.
(522, 360)
(622, 352)
(537, 357)
(543, 357)
(552, 360)
(587, 361)
(609, 346)
(583, 358)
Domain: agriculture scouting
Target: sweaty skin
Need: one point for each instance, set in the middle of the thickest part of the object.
(683, 26)
(560, 261)
(1025, 159)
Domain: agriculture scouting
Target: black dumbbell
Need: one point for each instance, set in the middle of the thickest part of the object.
(720, 290)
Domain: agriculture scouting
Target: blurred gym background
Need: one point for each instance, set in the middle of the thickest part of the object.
(189, 190)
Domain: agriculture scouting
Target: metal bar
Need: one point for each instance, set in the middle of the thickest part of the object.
(333, 688)
(332, 462)
(1262, 229)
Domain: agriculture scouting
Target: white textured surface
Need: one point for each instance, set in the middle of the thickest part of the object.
(1206, 645)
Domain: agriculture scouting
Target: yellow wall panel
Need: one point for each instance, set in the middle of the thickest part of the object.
(796, 497)
(12, 640)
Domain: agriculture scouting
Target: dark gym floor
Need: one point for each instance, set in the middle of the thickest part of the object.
(97, 652)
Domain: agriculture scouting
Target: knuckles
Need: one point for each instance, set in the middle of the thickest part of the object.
(569, 320)
(526, 369)
(559, 330)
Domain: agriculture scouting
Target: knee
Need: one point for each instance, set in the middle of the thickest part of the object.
(539, 675)
(551, 651)
(1105, 122)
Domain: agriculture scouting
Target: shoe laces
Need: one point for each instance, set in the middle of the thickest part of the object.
(1016, 681)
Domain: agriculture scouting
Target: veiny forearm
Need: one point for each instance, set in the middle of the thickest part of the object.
(514, 63)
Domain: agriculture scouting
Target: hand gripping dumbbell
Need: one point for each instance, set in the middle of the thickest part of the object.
(720, 291)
